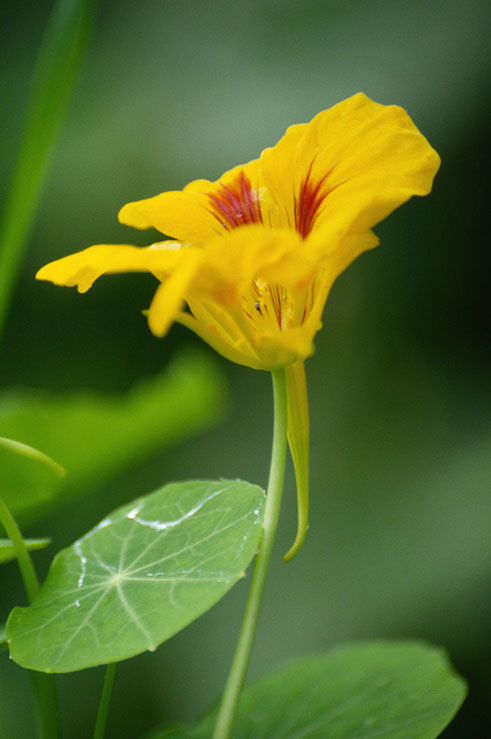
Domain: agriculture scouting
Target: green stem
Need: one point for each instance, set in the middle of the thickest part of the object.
(230, 699)
(107, 688)
(44, 685)
(27, 571)
(47, 700)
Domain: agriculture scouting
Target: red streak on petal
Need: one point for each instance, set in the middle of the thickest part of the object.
(310, 198)
(236, 204)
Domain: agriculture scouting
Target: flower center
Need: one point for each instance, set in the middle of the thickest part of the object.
(268, 306)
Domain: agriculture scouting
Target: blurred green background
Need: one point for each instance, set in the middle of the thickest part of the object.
(400, 512)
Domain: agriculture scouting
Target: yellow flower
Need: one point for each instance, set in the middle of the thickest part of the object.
(256, 252)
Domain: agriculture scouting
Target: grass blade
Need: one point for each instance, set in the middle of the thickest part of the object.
(56, 69)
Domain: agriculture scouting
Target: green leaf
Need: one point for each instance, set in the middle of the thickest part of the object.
(398, 690)
(95, 436)
(140, 576)
(7, 550)
(55, 72)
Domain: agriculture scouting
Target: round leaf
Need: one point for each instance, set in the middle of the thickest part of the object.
(140, 576)
(397, 690)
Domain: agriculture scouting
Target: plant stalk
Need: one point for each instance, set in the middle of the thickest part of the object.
(107, 689)
(44, 685)
(231, 695)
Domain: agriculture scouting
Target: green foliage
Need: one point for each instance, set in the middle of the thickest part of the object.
(402, 410)
(95, 436)
(401, 690)
(57, 66)
(140, 576)
(7, 549)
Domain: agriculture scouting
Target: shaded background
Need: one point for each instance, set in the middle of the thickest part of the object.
(400, 514)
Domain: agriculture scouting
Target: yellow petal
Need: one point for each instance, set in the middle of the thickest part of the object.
(231, 296)
(183, 215)
(299, 439)
(208, 329)
(83, 268)
(349, 248)
(364, 158)
(203, 209)
(254, 251)
(285, 347)
(169, 298)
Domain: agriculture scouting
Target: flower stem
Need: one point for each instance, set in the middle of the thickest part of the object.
(230, 699)
(44, 685)
(107, 688)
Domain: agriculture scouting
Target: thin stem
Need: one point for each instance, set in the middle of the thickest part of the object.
(230, 699)
(44, 685)
(27, 571)
(47, 699)
(107, 689)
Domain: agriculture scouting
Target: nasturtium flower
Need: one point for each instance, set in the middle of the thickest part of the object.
(254, 254)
